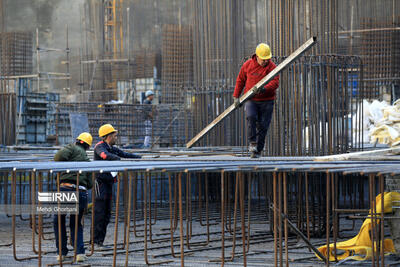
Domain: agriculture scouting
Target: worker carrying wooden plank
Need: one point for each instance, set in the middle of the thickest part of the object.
(251, 91)
(259, 108)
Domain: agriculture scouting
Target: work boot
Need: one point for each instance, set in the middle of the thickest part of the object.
(80, 257)
(253, 147)
(101, 246)
(98, 245)
(60, 256)
(255, 155)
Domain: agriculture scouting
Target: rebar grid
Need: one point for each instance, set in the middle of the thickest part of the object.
(380, 53)
(177, 63)
(170, 122)
(223, 191)
(16, 53)
(96, 71)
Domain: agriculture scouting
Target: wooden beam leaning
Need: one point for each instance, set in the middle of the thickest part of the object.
(307, 45)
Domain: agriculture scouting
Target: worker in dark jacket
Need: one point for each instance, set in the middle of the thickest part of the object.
(74, 152)
(105, 150)
(259, 108)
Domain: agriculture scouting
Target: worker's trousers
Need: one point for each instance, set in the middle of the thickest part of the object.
(80, 249)
(102, 210)
(148, 127)
(258, 116)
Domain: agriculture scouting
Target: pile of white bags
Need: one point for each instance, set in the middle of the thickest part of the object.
(384, 122)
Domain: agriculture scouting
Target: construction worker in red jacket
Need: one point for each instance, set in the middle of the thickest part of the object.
(105, 150)
(260, 107)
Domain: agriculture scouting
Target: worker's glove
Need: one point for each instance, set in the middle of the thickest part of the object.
(260, 90)
(236, 102)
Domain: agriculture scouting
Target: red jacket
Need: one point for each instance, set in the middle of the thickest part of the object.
(250, 74)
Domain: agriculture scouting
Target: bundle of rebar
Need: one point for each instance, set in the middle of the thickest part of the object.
(16, 53)
(8, 111)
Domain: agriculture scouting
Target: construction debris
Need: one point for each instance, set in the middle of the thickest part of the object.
(384, 121)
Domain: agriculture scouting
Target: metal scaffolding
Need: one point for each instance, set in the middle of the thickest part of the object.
(234, 196)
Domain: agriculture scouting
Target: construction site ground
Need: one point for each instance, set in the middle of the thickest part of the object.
(261, 251)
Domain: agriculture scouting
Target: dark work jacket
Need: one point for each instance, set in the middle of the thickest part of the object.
(74, 152)
(103, 151)
(147, 109)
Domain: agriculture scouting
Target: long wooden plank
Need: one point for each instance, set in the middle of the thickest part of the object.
(357, 155)
(303, 48)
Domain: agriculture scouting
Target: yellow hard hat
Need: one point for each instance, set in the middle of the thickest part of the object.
(263, 51)
(106, 129)
(85, 137)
